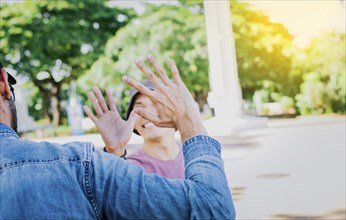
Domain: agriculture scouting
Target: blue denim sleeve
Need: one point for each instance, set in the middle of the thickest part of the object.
(124, 191)
(208, 184)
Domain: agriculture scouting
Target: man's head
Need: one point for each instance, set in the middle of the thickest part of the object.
(142, 126)
(8, 107)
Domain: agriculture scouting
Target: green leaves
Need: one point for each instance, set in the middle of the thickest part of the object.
(37, 34)
(167, 32)
(97, 44)
(324, 66)
(261, 48)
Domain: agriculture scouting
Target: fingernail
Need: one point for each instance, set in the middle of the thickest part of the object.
(149, 57)
(137, 61)
(136, 110)
(125, 78)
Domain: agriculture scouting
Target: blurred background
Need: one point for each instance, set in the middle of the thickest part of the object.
(288, 53)
(290, 58)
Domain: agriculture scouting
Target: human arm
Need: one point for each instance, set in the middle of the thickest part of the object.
(114, 131)
(127, 192)
(204, 194)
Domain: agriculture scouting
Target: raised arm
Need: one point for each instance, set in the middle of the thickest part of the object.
(204, 194)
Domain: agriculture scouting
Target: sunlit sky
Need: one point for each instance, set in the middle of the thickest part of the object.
(303, 18)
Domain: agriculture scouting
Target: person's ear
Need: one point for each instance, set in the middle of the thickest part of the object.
(4, 86)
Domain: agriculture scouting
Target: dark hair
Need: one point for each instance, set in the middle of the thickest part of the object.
(133, 95)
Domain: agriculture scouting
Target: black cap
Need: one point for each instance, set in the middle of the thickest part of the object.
(133, 94)
(11, 79)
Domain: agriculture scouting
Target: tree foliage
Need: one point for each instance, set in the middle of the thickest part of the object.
(324, 66)
(164, 32)
(54, 42)
(264, 51)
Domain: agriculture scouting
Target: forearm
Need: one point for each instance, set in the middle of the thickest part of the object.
(205, 169)
(190, 124)
(190, 127)
(203, 195)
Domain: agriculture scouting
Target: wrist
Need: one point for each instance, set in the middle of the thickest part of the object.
(191, 127)
(121, 152)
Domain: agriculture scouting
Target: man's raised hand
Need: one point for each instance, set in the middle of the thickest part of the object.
(174, 103)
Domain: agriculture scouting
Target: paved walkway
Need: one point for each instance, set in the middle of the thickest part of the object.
(292, 169)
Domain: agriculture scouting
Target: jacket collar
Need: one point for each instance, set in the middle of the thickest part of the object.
(7, 131)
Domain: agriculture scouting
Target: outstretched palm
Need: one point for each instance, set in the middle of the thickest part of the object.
(115, 131)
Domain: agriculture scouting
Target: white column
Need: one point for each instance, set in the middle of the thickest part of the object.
(225, 96)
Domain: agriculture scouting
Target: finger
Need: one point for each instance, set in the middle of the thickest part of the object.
(148, 73)
(132, 119)
(175, 71)
(158, 69)
(154, 118)
(139, 87)
(88, 112)
(100, 98)
(95, 103)
(111, 100)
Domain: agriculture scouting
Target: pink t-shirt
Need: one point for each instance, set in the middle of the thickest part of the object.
(173, 169)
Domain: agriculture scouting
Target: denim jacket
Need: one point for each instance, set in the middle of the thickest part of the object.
(42, 180)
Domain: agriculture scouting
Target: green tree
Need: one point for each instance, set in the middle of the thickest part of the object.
(54, 42)
(264, 51)
(323, 63)
(164, 31)
(263, 48)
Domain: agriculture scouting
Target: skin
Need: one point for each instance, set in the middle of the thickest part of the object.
(114, 131)
(8, 113)
(171, 99)
(158, 142)
(174, 107)
(173, 103)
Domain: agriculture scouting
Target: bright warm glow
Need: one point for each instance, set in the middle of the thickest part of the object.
(304, 19)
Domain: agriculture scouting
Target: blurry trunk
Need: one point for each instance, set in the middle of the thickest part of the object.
(52, 106)
(46, 106)
(55, 105)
